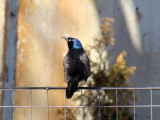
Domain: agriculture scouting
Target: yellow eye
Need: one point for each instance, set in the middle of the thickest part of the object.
(69, 40)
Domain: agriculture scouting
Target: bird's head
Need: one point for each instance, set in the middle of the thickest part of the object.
(73, 43)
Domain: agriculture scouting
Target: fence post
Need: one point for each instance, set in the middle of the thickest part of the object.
(11, 29)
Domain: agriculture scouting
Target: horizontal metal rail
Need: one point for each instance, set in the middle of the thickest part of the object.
(120, 106)
(88, 88)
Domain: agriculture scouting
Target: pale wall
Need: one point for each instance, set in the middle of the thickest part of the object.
(2, 18)
(41, 50)
(148, 63)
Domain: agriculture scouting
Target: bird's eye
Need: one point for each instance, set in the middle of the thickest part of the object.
(69, 40)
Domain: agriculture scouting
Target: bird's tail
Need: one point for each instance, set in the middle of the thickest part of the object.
(71, 88)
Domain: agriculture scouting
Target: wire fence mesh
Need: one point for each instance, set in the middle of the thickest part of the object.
(99, 106)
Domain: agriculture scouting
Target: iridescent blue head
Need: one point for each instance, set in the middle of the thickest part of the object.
(73, 43)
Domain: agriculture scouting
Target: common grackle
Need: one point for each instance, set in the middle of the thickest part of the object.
(76, 65)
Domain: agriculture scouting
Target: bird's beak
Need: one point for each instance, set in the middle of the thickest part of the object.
(65, 38)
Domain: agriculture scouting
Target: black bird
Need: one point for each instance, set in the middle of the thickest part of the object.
(76, 65)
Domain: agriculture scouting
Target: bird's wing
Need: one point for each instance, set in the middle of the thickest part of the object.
(84, 58)
(73, 68)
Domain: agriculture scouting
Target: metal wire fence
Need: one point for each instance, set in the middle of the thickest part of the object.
(134, 106)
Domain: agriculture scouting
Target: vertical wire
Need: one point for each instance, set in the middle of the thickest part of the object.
(134, 104)
(13, 104)
(64, 104)
(31, 102)
(47, 104)
(116, 105)
(82, 103)
(99, 105)
(151, 103)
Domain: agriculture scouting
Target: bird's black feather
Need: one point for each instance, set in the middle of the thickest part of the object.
(76, 68)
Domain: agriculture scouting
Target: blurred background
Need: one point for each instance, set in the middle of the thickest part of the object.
(132, 27)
